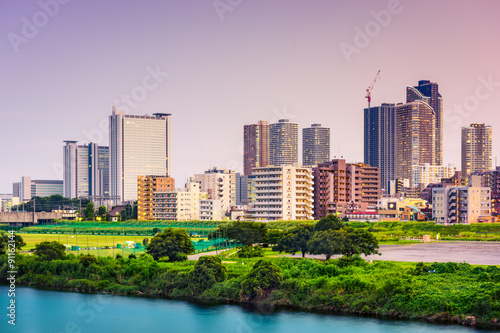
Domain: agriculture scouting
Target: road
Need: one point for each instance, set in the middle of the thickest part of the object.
(471, 252)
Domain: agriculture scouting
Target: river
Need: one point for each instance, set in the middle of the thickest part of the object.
(42, 311)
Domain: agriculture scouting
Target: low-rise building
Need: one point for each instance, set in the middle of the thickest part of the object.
(178, 204)
(210, 210)
(461, 204)
(146, 187)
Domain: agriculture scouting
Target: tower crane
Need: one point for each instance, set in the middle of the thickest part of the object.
(370, 88)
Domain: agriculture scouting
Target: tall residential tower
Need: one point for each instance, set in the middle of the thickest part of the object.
(380, 141)
(315, 145)
(476, 148)
(256, 146)
(284, 142)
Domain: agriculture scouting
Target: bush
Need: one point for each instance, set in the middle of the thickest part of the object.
(87, 259)
(207, 271)
(263, 277)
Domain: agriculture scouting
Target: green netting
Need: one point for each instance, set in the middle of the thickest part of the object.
(196, 229)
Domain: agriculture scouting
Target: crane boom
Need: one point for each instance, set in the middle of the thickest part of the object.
(370, 88)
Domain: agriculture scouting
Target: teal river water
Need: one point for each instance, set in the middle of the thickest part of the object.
(54, 312)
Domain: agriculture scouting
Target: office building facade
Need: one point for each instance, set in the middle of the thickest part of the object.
(139, 145)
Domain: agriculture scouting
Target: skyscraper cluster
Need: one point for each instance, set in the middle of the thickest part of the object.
(278, 144)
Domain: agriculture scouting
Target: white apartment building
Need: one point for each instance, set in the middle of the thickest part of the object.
(178, 204)
(220, 185)
(282, 193)
(210, 210)
(423, 175)
(139, 145)
(461, 204)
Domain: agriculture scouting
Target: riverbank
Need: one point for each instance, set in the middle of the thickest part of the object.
(440, 292)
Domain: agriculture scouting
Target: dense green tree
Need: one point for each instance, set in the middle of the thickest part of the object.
(4, 241)
(263, 277)
(123, 215)
(50, 250)
(328, 222)
(246, 233)
(89, 212)
(145, 241)
(207, 271)
(274, 236)
(87, 259)
(134, 211)
(128, 211)
(328, 242)
(47, 204)
(250, 252)
(172, 243)
(346, 241)
(102, 211)
(295, 240)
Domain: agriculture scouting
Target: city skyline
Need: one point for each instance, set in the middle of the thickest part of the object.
(53, 95)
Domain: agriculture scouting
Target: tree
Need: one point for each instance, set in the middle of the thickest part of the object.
(50, 250)
(108, 217)
(328, 242)
(123, 215)
(246, 233)
(274, 236)
(207, 271)
(145, 241)
(346, 241)
(4, 241)
(87, 259)
(101, 211)
(134, 211)
(128, 211)
(295, 240)
(90, 212)
(263, 277)
(329, 222)
(173, 244)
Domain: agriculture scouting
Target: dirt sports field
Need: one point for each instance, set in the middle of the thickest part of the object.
(470, 252)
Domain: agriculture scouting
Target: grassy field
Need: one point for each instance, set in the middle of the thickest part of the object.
(79, 240)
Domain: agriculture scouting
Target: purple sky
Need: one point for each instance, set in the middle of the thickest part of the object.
(250, 60)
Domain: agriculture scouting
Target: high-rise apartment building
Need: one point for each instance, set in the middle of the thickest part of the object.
(380, 141)
(428, 92)
(282, 193)
(283, 143)
(242, 186)
(255, 146)
(476, 148)
(86, 170)
(315, 145)
(341, 187)
(219, 184)
(415, 132)
(139, 145)
(146, 187)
